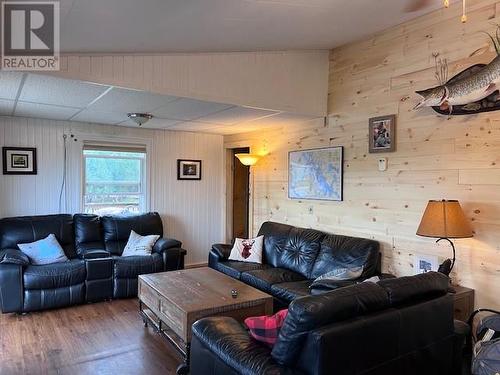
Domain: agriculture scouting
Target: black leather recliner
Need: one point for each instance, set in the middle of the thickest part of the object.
(293, 257)
(95, 270)
(398, 326)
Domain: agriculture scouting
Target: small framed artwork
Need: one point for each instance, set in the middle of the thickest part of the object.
(188, 169)
(425, 263)
(19, 160)
(316, 174)
(382, 134)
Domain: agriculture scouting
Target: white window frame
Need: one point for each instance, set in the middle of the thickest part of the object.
(118, 142)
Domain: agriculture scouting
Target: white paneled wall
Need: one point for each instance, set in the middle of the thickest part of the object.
(192, 211)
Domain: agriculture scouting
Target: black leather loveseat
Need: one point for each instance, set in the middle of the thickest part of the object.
(293, 257)
(398, 326)
(95, 270)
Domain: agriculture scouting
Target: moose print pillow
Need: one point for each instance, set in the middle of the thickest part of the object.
(247, 250)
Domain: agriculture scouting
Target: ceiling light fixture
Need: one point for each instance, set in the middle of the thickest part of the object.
(139, 118)
(464, 10)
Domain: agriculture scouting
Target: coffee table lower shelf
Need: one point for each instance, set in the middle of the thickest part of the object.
(150, 318)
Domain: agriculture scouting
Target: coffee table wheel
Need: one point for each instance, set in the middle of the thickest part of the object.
(182, 369)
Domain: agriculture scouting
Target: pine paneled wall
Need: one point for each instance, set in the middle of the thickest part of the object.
(192, 211)
(436, 157)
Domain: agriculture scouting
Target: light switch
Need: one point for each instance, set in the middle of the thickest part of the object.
(382, 164)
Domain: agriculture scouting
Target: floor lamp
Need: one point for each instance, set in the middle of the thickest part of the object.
(249, 160)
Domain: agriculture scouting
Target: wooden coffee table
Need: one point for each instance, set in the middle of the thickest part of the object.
(172, 301)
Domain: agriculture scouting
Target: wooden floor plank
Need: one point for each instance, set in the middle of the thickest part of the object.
(102, 338)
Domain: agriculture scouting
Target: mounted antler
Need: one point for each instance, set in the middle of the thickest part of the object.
(441, 73)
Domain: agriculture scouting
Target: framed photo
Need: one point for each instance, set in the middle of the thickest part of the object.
(316, 174)
(19, 160)
(425, 263)
(188, 169)
(382, 134)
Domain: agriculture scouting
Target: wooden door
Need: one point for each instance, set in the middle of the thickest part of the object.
(241, 186)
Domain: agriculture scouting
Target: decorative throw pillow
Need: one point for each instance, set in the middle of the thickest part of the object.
(247, 250)
(44, 251)
(266, 328)
(342, 274)
(139, 245)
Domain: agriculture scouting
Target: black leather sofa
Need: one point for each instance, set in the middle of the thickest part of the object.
(95, 270)
(398, 326)
(293, 257)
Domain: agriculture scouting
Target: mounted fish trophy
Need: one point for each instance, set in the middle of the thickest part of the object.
(472, 91)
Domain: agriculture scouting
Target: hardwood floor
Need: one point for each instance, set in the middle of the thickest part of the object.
(101, 338)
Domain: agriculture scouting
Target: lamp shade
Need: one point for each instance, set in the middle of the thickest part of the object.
(444, 219)
(248, 159)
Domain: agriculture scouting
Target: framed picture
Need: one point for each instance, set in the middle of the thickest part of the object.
(19, 160)
(425, 263)
(382, 134)
(316, 174)
(188, 169)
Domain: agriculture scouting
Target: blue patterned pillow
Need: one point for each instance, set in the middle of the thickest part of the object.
(45, 251)
(342, 274)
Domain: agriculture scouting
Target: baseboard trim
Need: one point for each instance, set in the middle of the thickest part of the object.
(196, 265)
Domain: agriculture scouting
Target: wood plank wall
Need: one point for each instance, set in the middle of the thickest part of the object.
(192, 211)
(437, 157)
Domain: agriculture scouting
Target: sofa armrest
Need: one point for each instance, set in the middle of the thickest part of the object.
(223, 343)
(173, 258)
(166, 243)
(11, 288)
(94, 254)
(221, 250)
(14, 256)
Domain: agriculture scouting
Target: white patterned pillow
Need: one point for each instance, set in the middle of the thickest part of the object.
(139, 245)
(247, 250)
(44, 251)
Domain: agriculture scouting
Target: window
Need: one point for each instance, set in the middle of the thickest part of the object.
(114, 180)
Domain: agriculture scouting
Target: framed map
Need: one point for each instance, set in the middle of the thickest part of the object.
(316, 174)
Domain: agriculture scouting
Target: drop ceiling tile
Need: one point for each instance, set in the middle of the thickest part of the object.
(6, 107)
(189, 109)
(9, 84)
(124, 100)
(282, 119)
(100, 117)
(154, 123)
(59, 91)
(236, 115)
(51, 112)
(193, 126)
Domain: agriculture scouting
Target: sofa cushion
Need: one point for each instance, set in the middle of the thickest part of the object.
(117, 229)
(290, 291)
(234, 269)
(346, 252)
(414, 288)
(56, 275)
(265, 328)
(88, 233)
(312, 312)
(26, 229)
(131, 267)
(264, 279)
(275, 238)
(44, 251)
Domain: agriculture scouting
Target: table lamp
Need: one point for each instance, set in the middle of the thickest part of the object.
(445, 220)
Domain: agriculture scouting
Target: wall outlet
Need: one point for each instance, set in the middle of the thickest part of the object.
(382, 164)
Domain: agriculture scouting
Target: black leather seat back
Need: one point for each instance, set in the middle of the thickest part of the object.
(309, 313)
(117, 229)
(26, 229)
(341, 251)
(394, 341)
(292, 248)
(88, 232)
